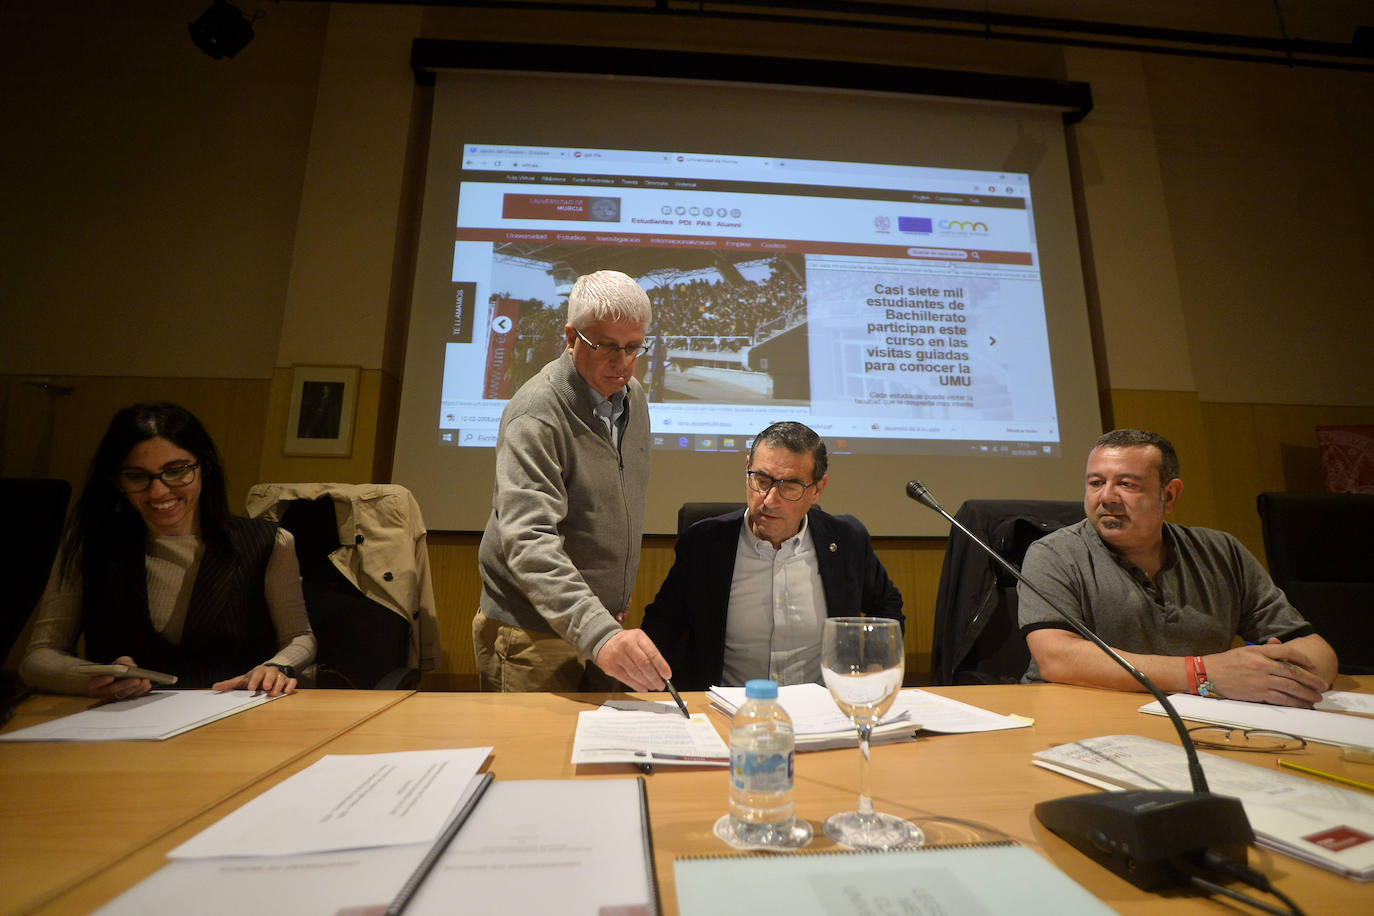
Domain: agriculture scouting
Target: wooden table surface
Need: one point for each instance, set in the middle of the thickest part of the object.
(69, 810)
(958, 788)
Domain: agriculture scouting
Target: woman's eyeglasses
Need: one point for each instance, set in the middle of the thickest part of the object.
(179, 475)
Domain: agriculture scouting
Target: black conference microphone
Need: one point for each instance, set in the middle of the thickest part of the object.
(1152, 838)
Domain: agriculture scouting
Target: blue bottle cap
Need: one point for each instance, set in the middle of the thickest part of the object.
(760, 689)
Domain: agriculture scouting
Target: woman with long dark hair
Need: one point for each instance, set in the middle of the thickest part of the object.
(155, 571)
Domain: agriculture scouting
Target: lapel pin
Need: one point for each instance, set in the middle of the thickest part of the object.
(833, 548)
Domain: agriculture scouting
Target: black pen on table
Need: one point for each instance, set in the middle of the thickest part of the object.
(436, 851)
(676, 698)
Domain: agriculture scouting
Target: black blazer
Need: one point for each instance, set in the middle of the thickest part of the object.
(687, 618)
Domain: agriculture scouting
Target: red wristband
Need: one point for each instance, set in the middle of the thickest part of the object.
(1190, 661)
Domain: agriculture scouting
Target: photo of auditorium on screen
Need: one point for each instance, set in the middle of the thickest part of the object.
(890, 306)
(728, 328)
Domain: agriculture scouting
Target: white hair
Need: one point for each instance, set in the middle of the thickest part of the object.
(608, 295)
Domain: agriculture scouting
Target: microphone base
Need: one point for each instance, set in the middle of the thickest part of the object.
(1149, 836)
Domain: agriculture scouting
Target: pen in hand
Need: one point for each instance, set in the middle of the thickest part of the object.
(676, 698)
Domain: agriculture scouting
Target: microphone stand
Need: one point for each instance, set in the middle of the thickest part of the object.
(1139, 834)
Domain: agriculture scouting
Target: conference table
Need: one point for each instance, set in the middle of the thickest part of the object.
(81, 823)
(70, 810)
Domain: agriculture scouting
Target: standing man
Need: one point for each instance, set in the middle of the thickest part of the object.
(749, 591)
(561, 548)
(1170, 598)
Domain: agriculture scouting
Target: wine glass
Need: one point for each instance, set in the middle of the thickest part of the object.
(862, 660)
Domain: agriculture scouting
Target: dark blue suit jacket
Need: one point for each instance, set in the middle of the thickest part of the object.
(687, 618)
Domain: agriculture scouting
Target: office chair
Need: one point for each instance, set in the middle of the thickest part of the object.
(977, 639)
(691, 513)
(36, 510)
(370, 600)
(1321, 553)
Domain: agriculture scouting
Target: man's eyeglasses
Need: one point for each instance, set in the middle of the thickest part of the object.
(631, 351)
(1223, 738)
(179, 475)
(792, 490)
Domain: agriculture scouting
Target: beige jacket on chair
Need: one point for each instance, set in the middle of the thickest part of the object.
(383, 549)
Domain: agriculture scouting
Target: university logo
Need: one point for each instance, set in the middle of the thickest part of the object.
(961, 225)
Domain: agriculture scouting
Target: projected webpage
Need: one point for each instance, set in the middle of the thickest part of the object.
(894, 309)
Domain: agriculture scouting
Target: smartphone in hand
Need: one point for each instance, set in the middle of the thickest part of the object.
(122, 671)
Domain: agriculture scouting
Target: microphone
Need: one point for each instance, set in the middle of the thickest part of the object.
(1153, 838)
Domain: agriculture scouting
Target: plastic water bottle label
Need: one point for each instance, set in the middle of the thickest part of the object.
(761, 772)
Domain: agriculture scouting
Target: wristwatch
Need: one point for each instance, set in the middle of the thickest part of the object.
(284, 669)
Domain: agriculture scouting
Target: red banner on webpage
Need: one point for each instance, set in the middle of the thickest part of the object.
(544, 206)
(762, 246)
(505, 321)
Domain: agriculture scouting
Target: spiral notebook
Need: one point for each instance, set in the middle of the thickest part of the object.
(983, 879)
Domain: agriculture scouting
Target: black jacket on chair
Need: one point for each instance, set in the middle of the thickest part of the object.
(977, 639)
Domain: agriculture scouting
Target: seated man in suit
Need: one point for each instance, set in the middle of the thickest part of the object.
(1170, 598)
(750, 590)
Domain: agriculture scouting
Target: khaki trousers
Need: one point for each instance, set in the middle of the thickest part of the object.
(511, 659)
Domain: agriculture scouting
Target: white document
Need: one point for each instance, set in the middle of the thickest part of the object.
(1311, 820)
(345, 801)
(1345, 701)
(639, 732)
(950, 717)
(1312, 724)
(819, 724)
(151, 717)
(575, 847)
(814, 713)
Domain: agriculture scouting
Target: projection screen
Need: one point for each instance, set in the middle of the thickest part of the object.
(900, 274)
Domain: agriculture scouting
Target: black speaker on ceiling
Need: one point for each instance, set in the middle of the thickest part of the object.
(222, 30)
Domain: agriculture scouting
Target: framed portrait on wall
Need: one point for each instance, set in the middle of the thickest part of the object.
(320, 421)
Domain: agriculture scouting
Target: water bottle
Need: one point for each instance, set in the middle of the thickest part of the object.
(761, 748)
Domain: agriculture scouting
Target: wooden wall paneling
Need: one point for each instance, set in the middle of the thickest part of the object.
(1266, 447)
(359, 467)
(457, 588)
(655, 559)
(1230, 430)
(1287, 438)
(60, 440)
(914, 567)
(1176, 415)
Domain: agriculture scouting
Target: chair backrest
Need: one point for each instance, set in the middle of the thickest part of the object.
(362, 643)
(1321, 553)
(691, 513)
(977, 638)
(27, 550)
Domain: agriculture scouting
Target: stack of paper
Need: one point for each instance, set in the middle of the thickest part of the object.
(639, 732)
(1337, 728)
(819, 724)
(1318, 823)
(570, 847)
(154, 716)
(346, 801)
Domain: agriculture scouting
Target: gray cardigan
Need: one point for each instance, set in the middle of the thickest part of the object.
(561, 547)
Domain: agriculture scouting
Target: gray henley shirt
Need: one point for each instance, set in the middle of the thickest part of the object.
(1210, 590)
